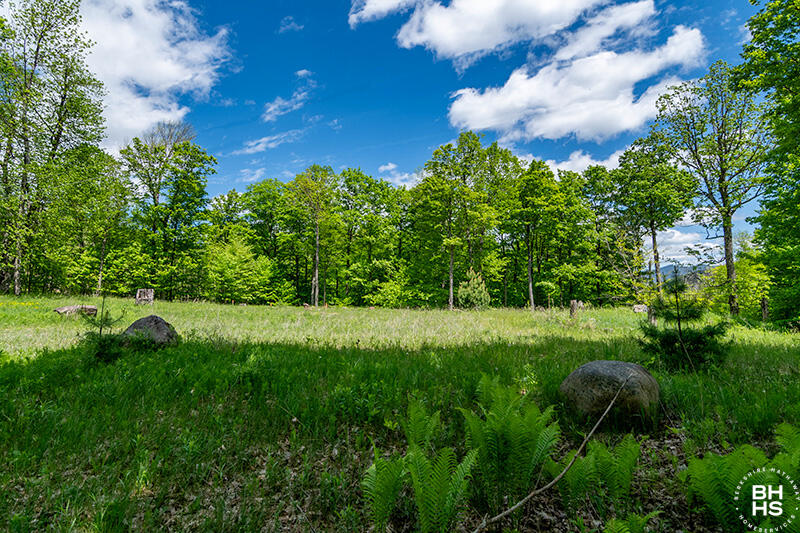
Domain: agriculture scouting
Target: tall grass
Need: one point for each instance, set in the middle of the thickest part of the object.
(265, 417)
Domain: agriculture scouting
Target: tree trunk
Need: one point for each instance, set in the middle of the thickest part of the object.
(730, 267)
(656, 258)
(17, 267)
(530, 266)
(315, 279)
(102, 263)
(450, 300)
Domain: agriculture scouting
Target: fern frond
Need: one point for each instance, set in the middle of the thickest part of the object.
(381, 487)
(420, 427)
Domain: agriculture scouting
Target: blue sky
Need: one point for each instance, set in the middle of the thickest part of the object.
(275, 86)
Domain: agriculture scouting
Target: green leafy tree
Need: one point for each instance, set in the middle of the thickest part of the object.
(171, 209)
(770, 68)
(88, 215)
(719, 134)
(540, 203)
(652, 193)
(313, 193)
(50, 103)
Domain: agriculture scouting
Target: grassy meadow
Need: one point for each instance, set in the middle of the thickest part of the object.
(265, 418)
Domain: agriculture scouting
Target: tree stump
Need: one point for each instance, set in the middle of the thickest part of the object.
(651, 316)
(145, 296)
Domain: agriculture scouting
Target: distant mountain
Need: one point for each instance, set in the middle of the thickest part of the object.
(668, 271)
(692, 273)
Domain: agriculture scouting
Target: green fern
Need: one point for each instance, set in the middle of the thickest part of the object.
(615, 468)
(512, 439)
(578, 483)
(439, 485)
(381, 486)
(712, 481)
(603, 476)
(633, 523)
(420, 427)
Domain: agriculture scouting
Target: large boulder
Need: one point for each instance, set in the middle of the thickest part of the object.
(68, 310)
(591, 387)
(154, 329)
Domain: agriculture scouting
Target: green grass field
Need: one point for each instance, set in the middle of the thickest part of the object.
(264, 418)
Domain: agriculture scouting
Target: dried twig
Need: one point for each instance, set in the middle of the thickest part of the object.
(487, 521)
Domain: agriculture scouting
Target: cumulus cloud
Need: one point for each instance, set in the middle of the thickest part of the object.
(592, 97)
(609, 22)
(281, 106)
(390, 173)
(578, 161)
(468, 29)
(148, 54)
(289, 24)
(269, 142)
(596, 81)
(673, 245)
(365, 10)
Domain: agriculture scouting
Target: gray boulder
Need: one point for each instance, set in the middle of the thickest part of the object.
(152, 328)
(68, 310)
(591, 387)
(639, 308)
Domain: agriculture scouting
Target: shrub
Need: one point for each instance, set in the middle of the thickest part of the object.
(472, 294)
(689, 349)
(677, 346)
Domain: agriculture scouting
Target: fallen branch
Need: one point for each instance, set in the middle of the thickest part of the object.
(487, 521)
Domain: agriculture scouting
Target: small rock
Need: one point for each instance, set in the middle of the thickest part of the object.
(591, 387)
(68, 310)
(153, 328)
(639, 308)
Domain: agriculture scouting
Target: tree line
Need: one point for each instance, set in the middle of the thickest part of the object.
(77, 219)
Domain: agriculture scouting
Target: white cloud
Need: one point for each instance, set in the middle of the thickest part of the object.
(390, 173)
(591, 97)
(269, 142)
(365, 10)
(469, 29)
(289, 24)
(601, 79)
(589, 38)
(249, 175)
(673, 244)
(579, 161)
(148, 53)
(300, 96)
